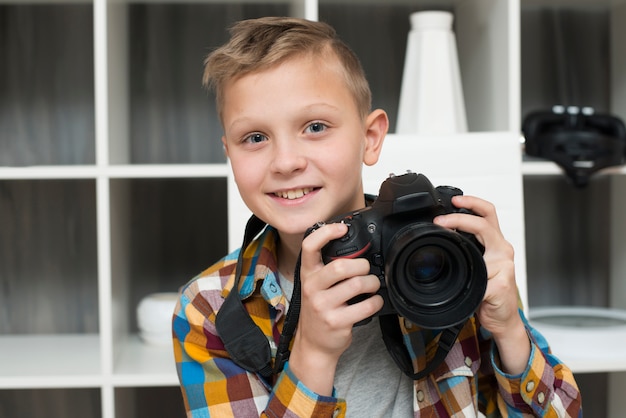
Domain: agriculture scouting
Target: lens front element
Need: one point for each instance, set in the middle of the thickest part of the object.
(427, 264)
(436, 277)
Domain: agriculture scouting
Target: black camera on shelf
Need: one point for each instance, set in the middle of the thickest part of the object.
(430, 275)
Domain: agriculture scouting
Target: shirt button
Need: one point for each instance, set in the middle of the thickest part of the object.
(530, 386)
(273, 288)
(541, 397)
(420, 396)
(468, 361)
(408, 324)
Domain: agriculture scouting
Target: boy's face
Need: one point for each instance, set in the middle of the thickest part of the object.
(296, 143)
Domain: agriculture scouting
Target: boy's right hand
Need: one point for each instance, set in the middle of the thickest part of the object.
(326, 319)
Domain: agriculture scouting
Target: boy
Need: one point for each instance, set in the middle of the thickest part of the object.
(295, 107)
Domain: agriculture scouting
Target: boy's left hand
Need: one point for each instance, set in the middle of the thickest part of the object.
(498, 312)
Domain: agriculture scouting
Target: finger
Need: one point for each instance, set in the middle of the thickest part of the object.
(327, 276)
(476, 225)
(364, 309)
(489, 235)
(484, 228)
(346, 290)
(350, 311)
(483, 223)
(324, 276)
(313, 243)
(478, 206)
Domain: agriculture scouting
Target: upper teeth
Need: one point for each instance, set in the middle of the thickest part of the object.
(294, 193)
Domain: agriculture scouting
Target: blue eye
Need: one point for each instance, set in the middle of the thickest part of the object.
(255, 138)
(316, 127)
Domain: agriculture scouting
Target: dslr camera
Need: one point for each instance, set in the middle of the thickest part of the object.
(433, 276)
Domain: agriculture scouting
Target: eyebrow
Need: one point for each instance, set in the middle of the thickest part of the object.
(238, 121)
(313, 107)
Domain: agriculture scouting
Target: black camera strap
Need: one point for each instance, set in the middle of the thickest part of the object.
(393, 338)
(244, 341)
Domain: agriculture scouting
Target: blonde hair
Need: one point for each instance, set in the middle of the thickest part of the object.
(259, 44)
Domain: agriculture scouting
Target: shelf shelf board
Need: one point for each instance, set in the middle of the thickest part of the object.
(569, 4)
(55, 2)
(441, 3)
(580, 350)
(113, 171)
(167, 170)
(49, 172)
(50, 361)
(141, 364)
(548, 168)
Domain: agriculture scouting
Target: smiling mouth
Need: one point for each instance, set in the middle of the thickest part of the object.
(293, 193)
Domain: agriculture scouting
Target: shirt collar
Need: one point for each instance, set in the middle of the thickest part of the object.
(259, 263)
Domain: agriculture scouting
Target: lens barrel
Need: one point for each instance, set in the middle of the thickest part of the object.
(436, 277)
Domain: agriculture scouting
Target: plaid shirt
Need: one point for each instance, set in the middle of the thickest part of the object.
(468, 384)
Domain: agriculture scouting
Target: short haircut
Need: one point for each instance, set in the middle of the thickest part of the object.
(258, 44)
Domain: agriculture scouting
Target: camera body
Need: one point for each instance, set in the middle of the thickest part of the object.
(433, 276)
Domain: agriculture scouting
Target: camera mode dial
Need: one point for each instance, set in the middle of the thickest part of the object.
(354, 244)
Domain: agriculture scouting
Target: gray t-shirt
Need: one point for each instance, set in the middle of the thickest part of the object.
(366, 376)
(369, 380)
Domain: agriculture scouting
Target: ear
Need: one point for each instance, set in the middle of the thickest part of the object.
(376, 127)
(225, 146)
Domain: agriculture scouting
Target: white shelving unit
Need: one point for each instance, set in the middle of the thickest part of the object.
(112, 181)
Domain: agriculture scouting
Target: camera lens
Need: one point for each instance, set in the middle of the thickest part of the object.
(431, 272)
(435, 277)
(427, 264)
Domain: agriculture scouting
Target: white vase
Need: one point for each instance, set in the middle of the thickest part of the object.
(154, 318)
(431, 99)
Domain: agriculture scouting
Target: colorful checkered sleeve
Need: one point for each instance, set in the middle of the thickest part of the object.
(546, 388)
(213, 386)
(469, 381)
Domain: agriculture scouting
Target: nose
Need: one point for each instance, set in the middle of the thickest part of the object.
(288, 157)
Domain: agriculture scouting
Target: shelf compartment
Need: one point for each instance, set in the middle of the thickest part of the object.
(483, 34)
(49, 361)
(140, 402)
(572, 55)
(568, 233)
(141, 364)
(84, 403)
(48, 261)
(47, 84)
(164, 231)
(156, 50)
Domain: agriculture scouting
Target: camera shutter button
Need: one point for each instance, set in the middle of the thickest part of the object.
(348, 234)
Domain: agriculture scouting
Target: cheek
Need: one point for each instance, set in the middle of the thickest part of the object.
(344, 158)
(245, 172)
(345, 167)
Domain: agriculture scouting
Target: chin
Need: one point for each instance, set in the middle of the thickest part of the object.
(297, 227)
(293, 229)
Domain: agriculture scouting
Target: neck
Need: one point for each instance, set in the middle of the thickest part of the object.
(287, 252)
